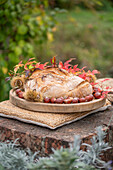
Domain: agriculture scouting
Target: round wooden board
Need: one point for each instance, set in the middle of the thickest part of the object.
(56, 108)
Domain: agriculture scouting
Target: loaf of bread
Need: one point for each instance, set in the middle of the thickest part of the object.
(55, 82)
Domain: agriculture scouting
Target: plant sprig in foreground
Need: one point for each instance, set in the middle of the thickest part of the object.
(14, 158)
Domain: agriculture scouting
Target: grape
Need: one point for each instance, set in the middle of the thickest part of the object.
(68, 100)
(46, 99)
(97, 95)
(59, 100)
(82, 100)
(95, 89)
(20, 95)
(53, 100)
(89, 98)
(75, 100)
(99, 90)
(17, 91)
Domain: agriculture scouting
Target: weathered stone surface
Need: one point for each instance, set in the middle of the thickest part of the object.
(43, 139)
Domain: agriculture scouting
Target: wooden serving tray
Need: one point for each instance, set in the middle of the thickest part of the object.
(56, 108)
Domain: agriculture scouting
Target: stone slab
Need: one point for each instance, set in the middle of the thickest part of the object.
(43, 139)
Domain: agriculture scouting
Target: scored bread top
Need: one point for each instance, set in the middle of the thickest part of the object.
(56, 82)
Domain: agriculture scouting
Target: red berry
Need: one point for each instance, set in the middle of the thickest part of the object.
(59, 100)
(75, 100)
(97, 95)
(99, 90)
(20, 95)
(89, 98)
(95, 89)
(53, 100)
(68, 101)
(18, 91)
(82, 100)
(46, 99)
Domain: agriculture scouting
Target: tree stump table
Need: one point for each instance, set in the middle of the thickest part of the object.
(42, 139)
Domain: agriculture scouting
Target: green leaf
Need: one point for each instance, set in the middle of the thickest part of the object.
(13, 14)
(19, 8)
(1, 167)
(26, 17)
(21, 43)
(2, 36)
(2, 1)
(29, 48)
(18, 51)
(22, 29)
(13, 58)
(30, 67)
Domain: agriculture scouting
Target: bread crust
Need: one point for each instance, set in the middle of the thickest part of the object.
(55, 82)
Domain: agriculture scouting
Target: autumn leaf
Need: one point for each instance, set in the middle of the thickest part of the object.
(70, 70)
(83, 68)
(42, 66)
(28, 64)
(37, 65)
(31, 59)
(75, 66)
(60, 64)
(31, 67)
(7, 78)
(53, 61)
(18, 66)
(93, 84)
(77, 69)
(66, 64)
(95, 72)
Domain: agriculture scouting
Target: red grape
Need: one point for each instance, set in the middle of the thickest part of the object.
(46, 99)
(82, 100)
(59, 100)
(68, 100)
(75, 100)
(97, 95)
(99, 90)
(89, 98)
(53, 100)
(20, 95)
(95, 89)
(18, 91)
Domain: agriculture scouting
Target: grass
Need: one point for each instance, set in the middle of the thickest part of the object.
(85, 35)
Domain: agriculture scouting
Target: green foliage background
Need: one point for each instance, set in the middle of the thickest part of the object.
(22, 24)
(37, 28)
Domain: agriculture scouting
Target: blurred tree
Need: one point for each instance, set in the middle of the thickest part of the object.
(87, 4)
(21, 23)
